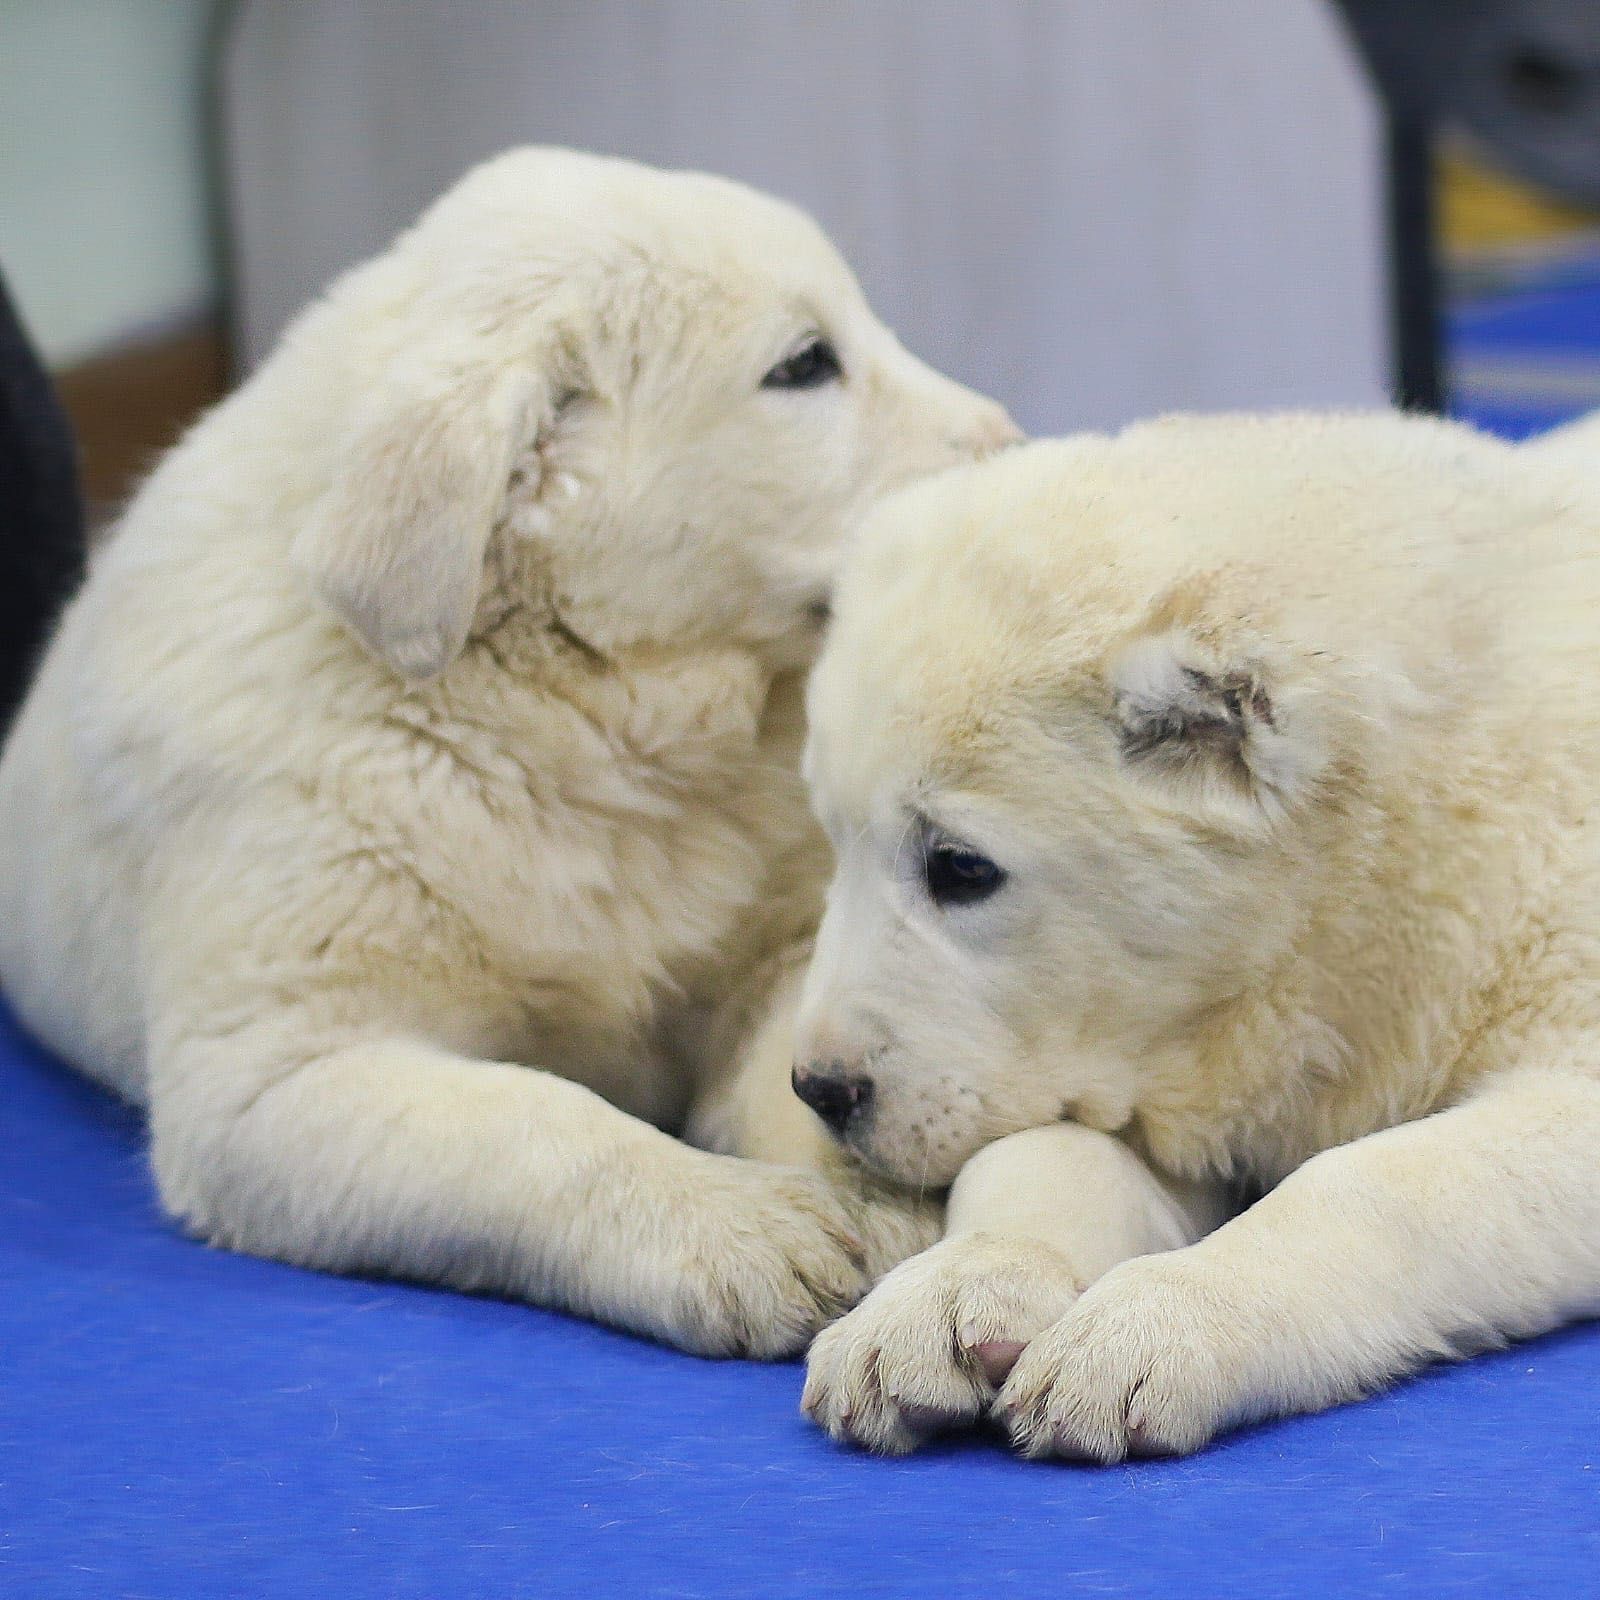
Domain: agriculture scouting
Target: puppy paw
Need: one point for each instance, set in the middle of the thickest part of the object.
(1151, 1361)
(780, 1253)
(926, 1350)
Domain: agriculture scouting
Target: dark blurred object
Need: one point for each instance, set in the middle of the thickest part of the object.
(1415, 313)
(42, 546)
(1522, 76)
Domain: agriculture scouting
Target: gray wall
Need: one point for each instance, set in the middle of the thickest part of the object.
(103, 227)
(1094, 210)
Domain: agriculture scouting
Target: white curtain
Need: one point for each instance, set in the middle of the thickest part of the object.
(1094, 209)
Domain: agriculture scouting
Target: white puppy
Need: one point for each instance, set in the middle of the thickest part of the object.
(433, 716)
(1219, 804)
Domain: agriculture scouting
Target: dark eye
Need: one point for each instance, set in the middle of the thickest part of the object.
(810, 366)
(959, 877)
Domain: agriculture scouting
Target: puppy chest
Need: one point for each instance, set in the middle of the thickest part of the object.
(618, 905)
(605, 854)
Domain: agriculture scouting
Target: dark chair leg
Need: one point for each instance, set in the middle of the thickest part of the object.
(1413, 267)
(42, 540)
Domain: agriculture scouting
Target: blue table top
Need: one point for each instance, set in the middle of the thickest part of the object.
(178, 1422)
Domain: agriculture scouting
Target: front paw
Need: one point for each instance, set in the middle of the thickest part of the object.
(927, 1349)
(779, 1253)
(1153, 1360)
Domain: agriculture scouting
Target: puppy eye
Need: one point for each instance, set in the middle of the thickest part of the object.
(811, 366)
(957, 876)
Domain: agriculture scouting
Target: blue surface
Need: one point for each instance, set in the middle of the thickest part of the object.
(1556, 312)
(176, 1422)
(1527, 355)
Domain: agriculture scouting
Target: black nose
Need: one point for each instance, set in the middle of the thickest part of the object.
(834, 1094)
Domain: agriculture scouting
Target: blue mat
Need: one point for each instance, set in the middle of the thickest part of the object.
(177, 1423)
(1526, 355)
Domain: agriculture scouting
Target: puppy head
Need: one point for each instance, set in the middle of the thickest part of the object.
(1088, 743)
(670, 382)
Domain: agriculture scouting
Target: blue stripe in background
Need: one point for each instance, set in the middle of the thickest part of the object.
(1501, 341)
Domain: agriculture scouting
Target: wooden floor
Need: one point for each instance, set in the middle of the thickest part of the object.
(131, 404)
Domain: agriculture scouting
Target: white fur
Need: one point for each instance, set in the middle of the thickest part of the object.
(432, 717)
(1284, 732)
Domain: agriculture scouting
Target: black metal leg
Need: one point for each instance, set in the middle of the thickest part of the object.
(42, 541)
(1414, 307)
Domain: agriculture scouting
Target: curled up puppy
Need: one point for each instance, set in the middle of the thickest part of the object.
(1216, 817)
(407, 810)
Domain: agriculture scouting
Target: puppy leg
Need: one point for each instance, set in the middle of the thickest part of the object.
(387, 1155)
(1032, 1221)
(744, 1103)
(1429, 1240)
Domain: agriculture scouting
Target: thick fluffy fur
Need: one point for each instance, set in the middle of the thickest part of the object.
(433, 716)
(1283, 731)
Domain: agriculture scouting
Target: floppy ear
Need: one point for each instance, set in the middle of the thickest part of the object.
(1220, 725)
(396, 545)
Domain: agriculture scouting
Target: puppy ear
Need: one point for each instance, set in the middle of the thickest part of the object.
(1221, 727)
(396, 544)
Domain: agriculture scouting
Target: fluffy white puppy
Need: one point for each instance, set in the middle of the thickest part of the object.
(1217, 803)
(433, 717)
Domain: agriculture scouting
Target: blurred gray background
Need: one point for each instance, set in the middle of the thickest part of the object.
(1092, 210)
